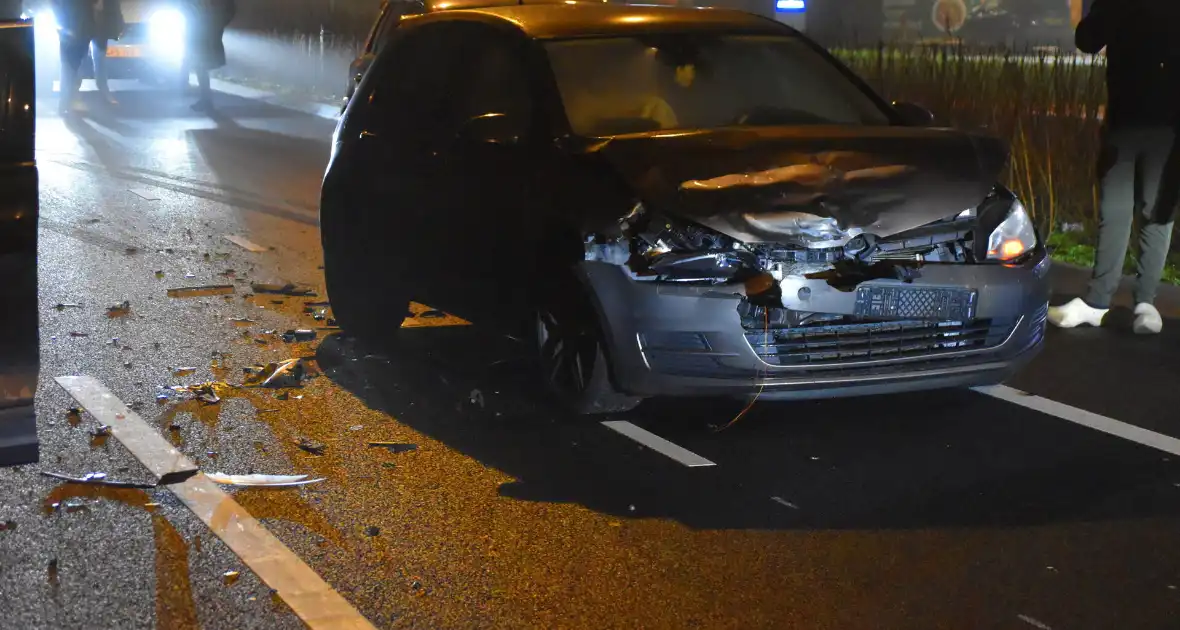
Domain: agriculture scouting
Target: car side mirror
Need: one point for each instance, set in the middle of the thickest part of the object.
(914, 115)
(490, 128)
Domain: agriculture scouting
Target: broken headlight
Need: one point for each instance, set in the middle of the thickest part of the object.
(1014, 237)
(681, 251)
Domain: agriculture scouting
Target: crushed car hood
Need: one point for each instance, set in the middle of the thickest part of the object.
(811, 185)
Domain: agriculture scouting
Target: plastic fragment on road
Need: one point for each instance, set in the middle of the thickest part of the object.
(242, 321)
(119, 310)
(143, 193)
(283, 289)
(208, 393)
(298, 335)
(288, 373)
(245, 243)
(79, 334)
(101, 430)
(183, 371)
(201, 291)
(61, 306)
(255, 480)
(229, 577)
(311, 446)
(395, 447)
(98, 479)
(372, 530)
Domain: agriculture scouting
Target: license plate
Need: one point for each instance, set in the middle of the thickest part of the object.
(938, 303)
(124, 51)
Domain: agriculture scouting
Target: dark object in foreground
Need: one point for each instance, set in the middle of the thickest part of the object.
(674, 202)
(20, 361)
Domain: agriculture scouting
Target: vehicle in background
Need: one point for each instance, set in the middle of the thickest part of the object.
(20, 361)
(150, 49)
(673, 201)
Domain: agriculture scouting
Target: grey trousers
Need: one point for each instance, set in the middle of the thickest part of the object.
(1139, 174)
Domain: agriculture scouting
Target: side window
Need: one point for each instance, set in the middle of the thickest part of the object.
(409, 94)
(383, 17)
(495, 79)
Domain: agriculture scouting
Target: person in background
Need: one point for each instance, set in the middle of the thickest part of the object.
(76, 22)
(1138, 164)
(204, 49)
(109, 25)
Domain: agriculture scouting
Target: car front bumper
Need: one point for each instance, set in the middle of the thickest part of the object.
(674, 340)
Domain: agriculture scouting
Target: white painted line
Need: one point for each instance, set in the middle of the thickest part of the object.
(782, 501)
(245, 243)
(143, 193)
(1085, 418)
(657, 443)
(309, 596)
(156, 454)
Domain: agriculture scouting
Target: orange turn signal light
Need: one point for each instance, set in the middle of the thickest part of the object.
(1009, 249)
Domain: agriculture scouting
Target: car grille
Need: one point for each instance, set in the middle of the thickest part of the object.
(851, 339)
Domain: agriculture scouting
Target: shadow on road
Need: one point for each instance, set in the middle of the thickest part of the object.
(943, 459)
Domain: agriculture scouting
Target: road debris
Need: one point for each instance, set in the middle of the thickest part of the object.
(242, 321)
(395, 447)
(61, 306)
(101, 430)
(432, 314)
(94, 479)
(79, 334)
(311, 446)
(298, 335)
(183, 371)
(372, 530)
(119, 310)
(283, 289)
(272, 481)
(201, 291)
(784, 502)
(320, 314)
(356, 427)
(7, 526)
(1033, 622)
(476, 398)
(229, 577)
(208, 393)
(288, 373)
(131, 251)
(159, 274)
(245, 243)
(143, 193)
(53, 579)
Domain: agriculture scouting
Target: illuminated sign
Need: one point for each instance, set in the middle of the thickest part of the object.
(790, 6)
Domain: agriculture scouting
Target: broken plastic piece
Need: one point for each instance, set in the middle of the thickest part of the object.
(311, 446)
(273, 481)
(244, 243)
(96, 479)
(396, 447)
(183, 371)
(79, 334)
(282, 289)
(298, 335)
(229, 577)
(101, 430)
(120, 309)
(201, 291)
(288, 373)
(65, 305)
(208, 393)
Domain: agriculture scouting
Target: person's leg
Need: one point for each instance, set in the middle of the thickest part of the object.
(98, 53)
(72, 52)
(204, 90)
(1159, 178)
(1116, 216)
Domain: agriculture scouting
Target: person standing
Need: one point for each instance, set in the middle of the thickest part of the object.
(1138, 164)
(204, 50)
(109, 24)
(76, 25)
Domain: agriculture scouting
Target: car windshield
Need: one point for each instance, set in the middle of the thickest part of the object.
(618, 85)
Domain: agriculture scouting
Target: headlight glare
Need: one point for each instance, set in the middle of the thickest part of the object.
(1013, 237)
(166, 31)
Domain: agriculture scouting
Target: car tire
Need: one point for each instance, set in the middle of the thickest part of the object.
(368, 301)
(572, 357)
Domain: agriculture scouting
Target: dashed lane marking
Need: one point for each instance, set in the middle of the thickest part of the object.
(308, 595)
(657, 443)
(1085, 418)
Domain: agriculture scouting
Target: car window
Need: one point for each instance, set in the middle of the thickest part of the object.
(382, 20)
(493, 80)
(694, 81)
(410, 90)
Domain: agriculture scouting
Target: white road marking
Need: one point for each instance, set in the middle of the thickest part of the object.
(782, 501)
(1085, 418)
(245, 243)
(657, 443)
(309, 596)
(1033, 622)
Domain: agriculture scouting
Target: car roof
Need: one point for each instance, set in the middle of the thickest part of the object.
(554, 19)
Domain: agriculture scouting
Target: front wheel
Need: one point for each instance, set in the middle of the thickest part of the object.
(573, 361)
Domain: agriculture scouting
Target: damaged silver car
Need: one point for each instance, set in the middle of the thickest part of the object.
(679, 202)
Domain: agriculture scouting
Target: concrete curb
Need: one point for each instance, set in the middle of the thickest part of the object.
(319, 110)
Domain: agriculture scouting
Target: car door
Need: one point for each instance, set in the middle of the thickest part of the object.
(403, 124)
(486, 173)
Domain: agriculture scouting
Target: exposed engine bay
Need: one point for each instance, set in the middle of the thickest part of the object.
(655, 248)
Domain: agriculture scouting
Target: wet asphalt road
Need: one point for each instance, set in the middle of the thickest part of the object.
(939, 510)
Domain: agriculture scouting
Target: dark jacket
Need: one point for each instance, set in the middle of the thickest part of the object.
(1142, 59)
(75, 18)
(110, 20)
(207, 20)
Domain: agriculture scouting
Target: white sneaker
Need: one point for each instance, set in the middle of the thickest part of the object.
(1147, 319)
(1075, 313)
